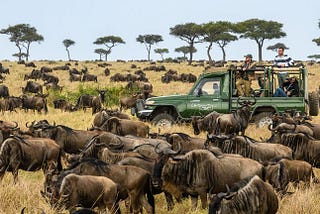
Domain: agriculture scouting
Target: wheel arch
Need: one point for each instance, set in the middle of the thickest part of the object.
(165, 109)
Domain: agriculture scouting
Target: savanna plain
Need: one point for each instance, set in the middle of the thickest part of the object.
(26, 193)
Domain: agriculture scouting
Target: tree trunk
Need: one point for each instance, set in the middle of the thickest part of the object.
(20, 51)
(148, 50)
(68, 54)
(191, 54)
(106, 57)
(28, 49)
(100, 57)
(208, 53)
(260, 51)
(223, 55)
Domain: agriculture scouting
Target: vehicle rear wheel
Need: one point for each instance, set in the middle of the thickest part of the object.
(164, 120)
(314, 103)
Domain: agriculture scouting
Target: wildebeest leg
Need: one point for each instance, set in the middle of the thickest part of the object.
(203, 198)
(143, 200)
(169, 200)
(194, 202)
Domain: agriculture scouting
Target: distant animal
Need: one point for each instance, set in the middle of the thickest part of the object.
(4, 91)
(126, 127)
(32, 87)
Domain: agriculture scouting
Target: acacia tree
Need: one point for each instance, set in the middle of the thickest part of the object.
(185, 50)
(259, 31)
(148, 40)
(317, 40)
(161, 51)
(22, 35)
(276, 46)
(219, 33)
(67, 43)
(110, 42)
(190, 33)
(101, 52)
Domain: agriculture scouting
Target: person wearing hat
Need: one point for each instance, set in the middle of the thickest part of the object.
(243, 83)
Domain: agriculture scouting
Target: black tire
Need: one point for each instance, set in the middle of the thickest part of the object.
(163, 120)
(314, 103)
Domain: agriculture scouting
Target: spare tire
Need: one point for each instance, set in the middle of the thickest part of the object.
(314, 103)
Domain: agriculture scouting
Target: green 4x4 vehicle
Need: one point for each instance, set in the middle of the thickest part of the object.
(216, 91)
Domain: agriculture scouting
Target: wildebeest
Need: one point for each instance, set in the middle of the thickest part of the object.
(89, 77)
(237, 121)
(126, 127)
(45, 69)
(207, 123)
(103, 115)
(285, 128)
(29, 154)
(14, 102)
(53, 86)
(250, 195)
(35, 74)
(75, 77)
(134, 182)
(63, 105)
(30, 64)
(32, 87)
(283, 171)
(199, 171)
(47, 78)
(4, 91)
(88, 191)
(38, 103)
(303, 147)
(129, 102)
(249, 148)
(4, 70)
(90, 101)
(6, 129)
(70, 140)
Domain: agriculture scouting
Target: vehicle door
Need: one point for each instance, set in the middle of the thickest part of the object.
(205, 98)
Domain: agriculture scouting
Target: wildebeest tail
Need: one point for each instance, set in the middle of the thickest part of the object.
(150, 196)
(45, 105)
(59, 164)
(314, 177)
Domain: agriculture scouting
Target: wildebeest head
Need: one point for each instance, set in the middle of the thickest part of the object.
(164, 155)
(216, 199)
(196, 122)
(5, 126)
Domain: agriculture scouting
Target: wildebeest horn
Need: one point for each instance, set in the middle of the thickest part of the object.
(172, 152)
(157, 150)
(30, 124)
(272, 129)
(15, 126)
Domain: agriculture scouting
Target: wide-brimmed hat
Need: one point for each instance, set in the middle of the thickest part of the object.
(248, 56)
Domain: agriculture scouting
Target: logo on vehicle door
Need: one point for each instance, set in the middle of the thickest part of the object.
(204, 107)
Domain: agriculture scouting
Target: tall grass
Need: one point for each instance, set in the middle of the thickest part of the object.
(27, 192)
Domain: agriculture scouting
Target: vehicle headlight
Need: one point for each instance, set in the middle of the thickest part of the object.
(149, 102)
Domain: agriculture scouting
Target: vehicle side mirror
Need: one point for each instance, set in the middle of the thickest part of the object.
(199, 92)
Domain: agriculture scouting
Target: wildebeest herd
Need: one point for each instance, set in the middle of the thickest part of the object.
(118, 161)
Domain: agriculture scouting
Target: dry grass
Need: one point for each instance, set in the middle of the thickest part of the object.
(27, 193)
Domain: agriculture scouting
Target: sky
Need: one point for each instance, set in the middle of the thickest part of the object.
(83, 21)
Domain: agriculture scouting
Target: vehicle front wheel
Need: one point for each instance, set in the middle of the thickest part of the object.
(163, 120)
(262, 119)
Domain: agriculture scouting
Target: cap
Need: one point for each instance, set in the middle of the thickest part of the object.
(248, 56)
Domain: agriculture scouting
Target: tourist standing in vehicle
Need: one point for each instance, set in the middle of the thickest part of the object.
(243, 83)
(282, 60)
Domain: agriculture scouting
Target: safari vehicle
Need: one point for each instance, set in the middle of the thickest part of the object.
(216, 91)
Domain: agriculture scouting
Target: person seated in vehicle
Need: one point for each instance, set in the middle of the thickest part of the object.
(289, 88)
(243, 83)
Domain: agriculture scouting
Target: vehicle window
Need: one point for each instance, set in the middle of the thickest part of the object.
(210, 87)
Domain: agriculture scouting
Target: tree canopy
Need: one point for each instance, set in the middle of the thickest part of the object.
(185, 50)
(67, 43)
(148, 40)
(190, 33)
(101, 52)
(260, 30)
(110, 42)
(219, 33)
(22, 35)
(276, 46)
(161, 51)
